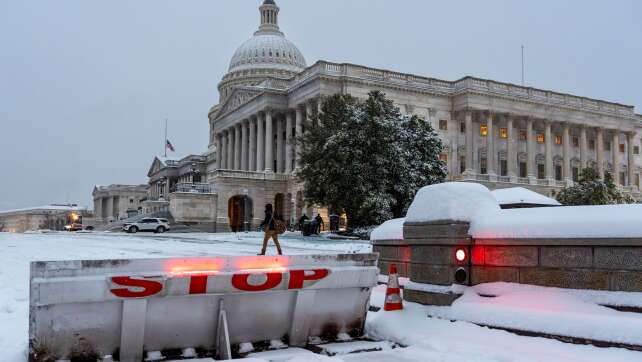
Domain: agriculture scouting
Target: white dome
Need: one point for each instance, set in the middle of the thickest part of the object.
(268, 51)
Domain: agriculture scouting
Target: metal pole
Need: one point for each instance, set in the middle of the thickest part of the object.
(522, 65)
(165, 142)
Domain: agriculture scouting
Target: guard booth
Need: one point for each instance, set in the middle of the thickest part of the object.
(129, 310)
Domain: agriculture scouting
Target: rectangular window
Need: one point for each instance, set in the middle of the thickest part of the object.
(576, 174)
(503, 133)
(443, 157)
(462, 127)
(522, 170)
(482, 166)
(540, 138)
(443, 125)
(540, 171)
(607, 145)
(591, 144)
(483, 130)
(558, 140)
(576, 142)
(558, 172)
(522, 135)
(503, 167)
(636, 150)
(623, 178)
(622, 147)
(462, 164)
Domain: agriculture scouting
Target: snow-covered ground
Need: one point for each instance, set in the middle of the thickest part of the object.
(429, 339)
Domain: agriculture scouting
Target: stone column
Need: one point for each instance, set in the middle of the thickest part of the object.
(566, 149)
(530, 151)
(469, 144)
(599, 145)
(298, 133)
(549, 150)
(217, 140)
(260, 143)
(237, 147)
(230, 148)
(280, 146)
(511, 159)
(615, 154)
(252, 154)
(223, 163)
(308, 114)
(583, 148)
(269, 144)
(288, 142)
(245, 149)
(490, 146)
(319, 111)
(630, 142)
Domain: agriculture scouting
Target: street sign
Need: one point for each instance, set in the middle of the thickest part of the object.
(131, 308)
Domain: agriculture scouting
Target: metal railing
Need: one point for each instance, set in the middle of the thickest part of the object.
(252, 175)
(199, 188)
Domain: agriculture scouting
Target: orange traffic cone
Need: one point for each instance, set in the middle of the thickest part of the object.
(393, 295)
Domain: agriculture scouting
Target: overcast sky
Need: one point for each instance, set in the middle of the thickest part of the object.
(85, 85)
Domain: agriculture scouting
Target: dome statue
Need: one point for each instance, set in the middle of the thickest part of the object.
(268, 54)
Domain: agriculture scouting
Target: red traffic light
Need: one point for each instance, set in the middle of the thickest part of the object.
(460, 255)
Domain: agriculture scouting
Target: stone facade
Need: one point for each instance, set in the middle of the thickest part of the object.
(118, 202)
(50, 217)
(495, 133)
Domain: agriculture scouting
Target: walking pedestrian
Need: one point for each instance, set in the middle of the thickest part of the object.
(320, 223)
(270, 229)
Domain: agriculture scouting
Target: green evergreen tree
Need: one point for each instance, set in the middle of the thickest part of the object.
(368, 159)
(590, 190)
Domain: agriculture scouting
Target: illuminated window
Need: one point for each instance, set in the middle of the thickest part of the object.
(540, 138)
(503, 132)
(443, 157)
(522, 135)
(443, 125)
(483, 130)
(576, 142)
(622, 148)
(558, 140)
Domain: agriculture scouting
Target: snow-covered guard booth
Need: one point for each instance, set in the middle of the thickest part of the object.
(127, 309)
(456, 234)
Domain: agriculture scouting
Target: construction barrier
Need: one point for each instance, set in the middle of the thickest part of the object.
(206, 307)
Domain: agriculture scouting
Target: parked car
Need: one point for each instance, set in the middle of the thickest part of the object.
(147, 224)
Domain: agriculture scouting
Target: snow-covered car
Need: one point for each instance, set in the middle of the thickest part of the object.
(156, 225)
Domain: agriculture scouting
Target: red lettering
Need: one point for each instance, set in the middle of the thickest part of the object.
(149, 287)
(241, 282)
(198, 284)
(297, 277)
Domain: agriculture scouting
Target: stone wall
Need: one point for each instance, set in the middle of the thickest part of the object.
(393, 251)
(194, 209)
(613, 264)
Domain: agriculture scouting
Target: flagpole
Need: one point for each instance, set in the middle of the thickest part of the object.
(165, 142)
(522, 65)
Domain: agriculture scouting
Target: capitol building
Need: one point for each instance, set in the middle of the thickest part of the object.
(499, 134)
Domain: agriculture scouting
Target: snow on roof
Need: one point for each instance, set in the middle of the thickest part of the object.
(48, 208)
(606, 221)
(389, 230)
(458, 201)
(520, 195)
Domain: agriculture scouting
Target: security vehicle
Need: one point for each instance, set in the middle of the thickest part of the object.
(147, 224)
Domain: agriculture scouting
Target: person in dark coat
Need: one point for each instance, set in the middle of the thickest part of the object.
(302, 220)
(270, 229)
(319, 223)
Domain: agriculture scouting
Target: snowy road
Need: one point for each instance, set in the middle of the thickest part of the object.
(428, 339)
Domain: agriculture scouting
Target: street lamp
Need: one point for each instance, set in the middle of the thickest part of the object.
(245, 213)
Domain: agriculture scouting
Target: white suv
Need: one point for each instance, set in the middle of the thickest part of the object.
(147, 224)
